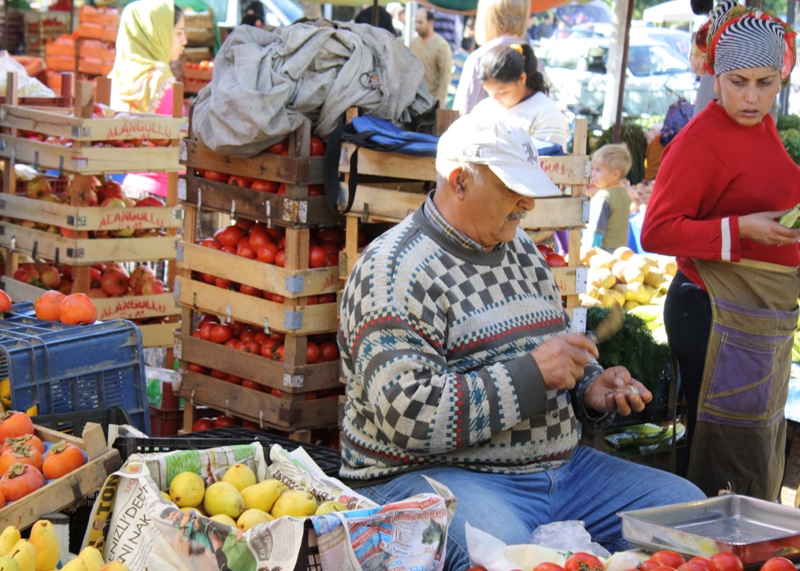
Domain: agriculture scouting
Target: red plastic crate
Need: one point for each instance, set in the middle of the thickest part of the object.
(165, 421)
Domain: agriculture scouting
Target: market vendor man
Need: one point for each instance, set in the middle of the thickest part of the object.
(459, 365)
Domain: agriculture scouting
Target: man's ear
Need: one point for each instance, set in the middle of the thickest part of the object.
(454, 179)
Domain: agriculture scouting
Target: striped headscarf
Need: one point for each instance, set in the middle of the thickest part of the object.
(737, 37)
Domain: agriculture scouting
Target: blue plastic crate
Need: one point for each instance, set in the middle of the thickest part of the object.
(68, 368)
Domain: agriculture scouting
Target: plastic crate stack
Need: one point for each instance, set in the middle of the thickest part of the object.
(377, 202)
(43, 27)
(294, 304)
(97, 33)
(198, 56)
(76, 237)
(61, 55)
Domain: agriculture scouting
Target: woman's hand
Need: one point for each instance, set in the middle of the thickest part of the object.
(615, 391)
(763, 227)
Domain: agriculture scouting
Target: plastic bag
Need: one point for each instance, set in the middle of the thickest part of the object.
(567, 536)
(27, 86)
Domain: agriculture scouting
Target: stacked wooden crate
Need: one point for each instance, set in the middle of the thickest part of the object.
(61, 54)
(75, 233)
(196, 75)
(393, 201)
(98, 35)
(288, 386)
(43, 27)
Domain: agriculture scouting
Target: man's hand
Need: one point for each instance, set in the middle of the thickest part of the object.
(562, 359)
(615, 391)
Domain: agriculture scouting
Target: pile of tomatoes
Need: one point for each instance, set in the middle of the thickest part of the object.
(665, 561)
(25, 462)
(321, 348)
(553, 258)
(255, 241)
(261, 185)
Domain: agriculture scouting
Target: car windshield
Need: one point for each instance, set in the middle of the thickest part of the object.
(575, 14)
(655, 60)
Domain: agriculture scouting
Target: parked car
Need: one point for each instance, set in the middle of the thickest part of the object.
(678, 40)
(656, 75)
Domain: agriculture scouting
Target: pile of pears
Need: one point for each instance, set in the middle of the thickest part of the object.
(239, 501)
(42, 550)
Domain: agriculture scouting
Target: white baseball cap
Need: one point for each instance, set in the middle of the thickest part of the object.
(496, 140)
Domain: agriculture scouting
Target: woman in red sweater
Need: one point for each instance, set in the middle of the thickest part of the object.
(731, 310)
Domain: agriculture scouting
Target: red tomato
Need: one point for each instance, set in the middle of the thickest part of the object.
(223, 283)
(328, 351)
(275, 393)
(279, 353)
(545, 249)
(326, 298)
(195, 368)
(581, 561)
(312, 354)
(691, 566)
(778, 564)
(244, 224)
(649, 565)
(216, 176)
(276, 298)
(202, 424)
(232, 343)
(253, 347)
(205, 330)
(249, 290)
(556, 260)
(280, 147)
(316, 190)
(267, 252)
(725, 561)
(257, 237)
(317, 257)
(668, 558)
(265, 186)
(280, 258)
(245, 251)
(221, 334)
(281, 188)
(234, 379)
(210, 243)
(252, 385)
(547, 566)
(310, 396)
(230, 236)
(331, 235)
(223, 421)
(242, 181)
(660, 567)
(317, 147)
(704, 561)
(239, 328)
(261, 337)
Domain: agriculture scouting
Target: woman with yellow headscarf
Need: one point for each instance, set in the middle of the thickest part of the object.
(152, 33)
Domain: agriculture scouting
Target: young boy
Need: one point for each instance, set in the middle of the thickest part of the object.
(610, 207)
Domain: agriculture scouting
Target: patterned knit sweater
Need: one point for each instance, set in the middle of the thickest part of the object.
(435, 342)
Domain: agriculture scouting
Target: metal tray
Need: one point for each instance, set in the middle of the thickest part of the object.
(755, 530)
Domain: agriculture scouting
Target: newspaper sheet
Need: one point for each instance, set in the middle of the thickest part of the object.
(134, 523)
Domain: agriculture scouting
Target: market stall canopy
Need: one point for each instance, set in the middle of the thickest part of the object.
(672, 11)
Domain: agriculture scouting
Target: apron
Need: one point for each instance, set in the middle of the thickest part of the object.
(739, 443)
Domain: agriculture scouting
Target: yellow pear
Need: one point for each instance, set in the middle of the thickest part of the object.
(92, 557)
(8, 538)
(166, 496)
(295, 503)
(25, 555)
(8, 564)
(240, 475)
(226, 519)
(252, 517)
(262, 496)
(76, 564)
(331, 506)
(115, 566)
(45, 541)
(195, 509)
(223, 498)
(186, 489)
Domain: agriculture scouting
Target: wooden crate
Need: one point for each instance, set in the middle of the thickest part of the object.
(61, 62)
(85, 251)
(92, 66)
(290, 284)
(71, 488)
(280, 317)
(88, 50)
(99, 17)
(194, 86)
(83, 218)
(266, 166)
(276, 209)
(198, 74)
(293, 380)
(55, 49)
(92, 31)
(280, 412)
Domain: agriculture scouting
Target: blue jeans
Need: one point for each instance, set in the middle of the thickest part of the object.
(592, 487)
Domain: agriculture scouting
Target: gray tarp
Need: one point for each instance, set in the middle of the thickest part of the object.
(266, 83)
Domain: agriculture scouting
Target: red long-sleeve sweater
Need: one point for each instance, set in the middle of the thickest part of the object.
(714, 171)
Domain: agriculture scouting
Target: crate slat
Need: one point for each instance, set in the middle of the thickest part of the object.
(255, 406)
(85, 251)
(83, 218)
(292, 379)
(312, 319)
(305, 212)
(258, 274)
(158, 334)
(78, 129)
(265, 166)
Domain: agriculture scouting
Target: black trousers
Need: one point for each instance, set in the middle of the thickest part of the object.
(687, 319)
